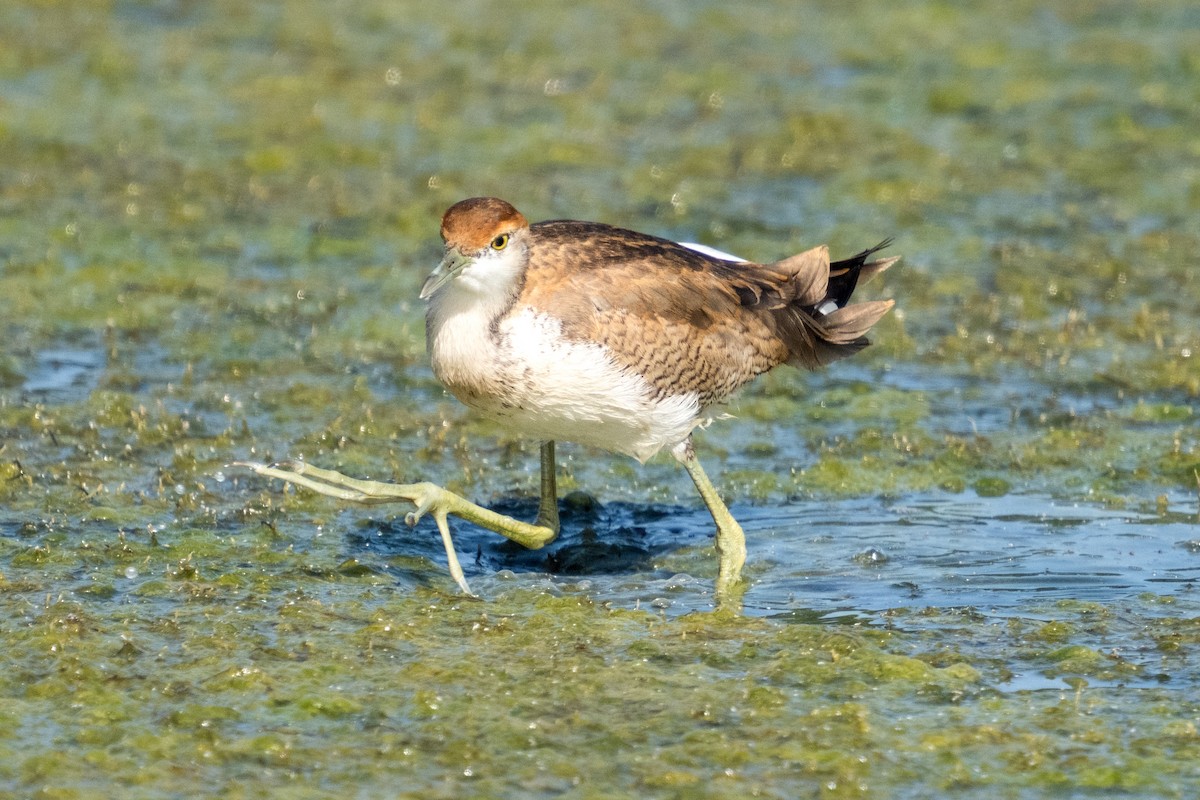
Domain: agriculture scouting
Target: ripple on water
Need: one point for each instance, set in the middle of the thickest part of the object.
(991, 553)
(65, 373)
(994, 554)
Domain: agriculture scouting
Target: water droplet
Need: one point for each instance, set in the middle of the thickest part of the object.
(678, 580)
(870, 557)
(131, 572)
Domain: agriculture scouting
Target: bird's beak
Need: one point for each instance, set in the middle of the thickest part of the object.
(446, 271)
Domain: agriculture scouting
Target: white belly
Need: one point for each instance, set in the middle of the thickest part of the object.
(527, 376)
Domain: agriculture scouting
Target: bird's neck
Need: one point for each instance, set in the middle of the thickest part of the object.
(461, 337)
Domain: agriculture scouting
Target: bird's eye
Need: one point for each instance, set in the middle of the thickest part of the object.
(500, 242)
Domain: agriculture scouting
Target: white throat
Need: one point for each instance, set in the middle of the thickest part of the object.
(460, 323)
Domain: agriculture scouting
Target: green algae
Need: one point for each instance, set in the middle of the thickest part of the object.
(228, 209)
(428, 691)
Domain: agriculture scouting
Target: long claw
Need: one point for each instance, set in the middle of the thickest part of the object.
(456, 570)
(426, 497)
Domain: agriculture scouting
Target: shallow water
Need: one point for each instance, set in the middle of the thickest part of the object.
(973, 548)
(862, 558)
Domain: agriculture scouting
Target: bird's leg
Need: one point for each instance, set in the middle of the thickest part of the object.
(548, 507)
(428, 498)
(731, 541)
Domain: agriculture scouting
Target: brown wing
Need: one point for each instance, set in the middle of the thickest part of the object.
(688, 322)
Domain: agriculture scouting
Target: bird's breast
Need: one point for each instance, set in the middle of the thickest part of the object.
(521, 370)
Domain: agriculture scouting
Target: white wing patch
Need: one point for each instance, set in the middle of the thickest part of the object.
(712, 252)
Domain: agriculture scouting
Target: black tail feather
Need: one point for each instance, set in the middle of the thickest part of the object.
(843, 275)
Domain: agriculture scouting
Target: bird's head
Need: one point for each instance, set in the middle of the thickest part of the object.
(486, 248)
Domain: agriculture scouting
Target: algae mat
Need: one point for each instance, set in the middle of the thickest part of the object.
(973, 549)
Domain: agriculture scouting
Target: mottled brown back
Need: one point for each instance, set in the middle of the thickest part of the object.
(688, 322)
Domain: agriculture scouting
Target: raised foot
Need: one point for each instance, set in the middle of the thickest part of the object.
(428, 498)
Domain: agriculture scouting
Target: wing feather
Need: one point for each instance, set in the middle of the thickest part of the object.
(690, 322)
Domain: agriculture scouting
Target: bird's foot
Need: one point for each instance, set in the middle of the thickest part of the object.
(427, 498)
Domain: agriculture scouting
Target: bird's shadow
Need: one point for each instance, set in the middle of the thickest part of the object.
(594, 539)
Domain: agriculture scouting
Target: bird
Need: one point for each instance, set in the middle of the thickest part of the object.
(584, 332)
